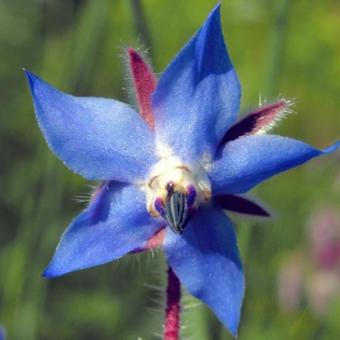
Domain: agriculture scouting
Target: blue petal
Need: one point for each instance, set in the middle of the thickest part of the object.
(98, 138)
(115, 223)
(249, 160)
(198, 95)
(206, 260)
(2, 333)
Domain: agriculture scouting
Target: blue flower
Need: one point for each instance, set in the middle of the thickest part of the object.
(168, 172)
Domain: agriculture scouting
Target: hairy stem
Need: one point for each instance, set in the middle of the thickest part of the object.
(173, 307)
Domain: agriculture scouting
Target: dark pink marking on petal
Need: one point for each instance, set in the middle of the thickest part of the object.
(240, 205)
(156, 241)
(261, 119)
(145, 83)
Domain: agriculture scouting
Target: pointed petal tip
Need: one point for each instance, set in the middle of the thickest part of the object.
(266, 215)
(54, 269)
(217, 7)
(234, 332)
(28, 73)
(132, 52)
(332, 148)
(232, 325)
(135, 58)
(241, 205)
(52, 273)
(134, 55)
(47, 274)
(32, 79)
(215, 13)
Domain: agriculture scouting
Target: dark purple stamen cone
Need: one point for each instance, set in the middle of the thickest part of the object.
(176, 211)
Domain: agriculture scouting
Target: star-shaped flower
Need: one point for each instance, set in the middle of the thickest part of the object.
(169, 171)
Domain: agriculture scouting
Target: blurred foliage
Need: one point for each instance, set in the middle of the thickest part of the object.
(282, 47)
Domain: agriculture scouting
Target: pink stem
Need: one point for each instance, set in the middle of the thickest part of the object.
(173, 307)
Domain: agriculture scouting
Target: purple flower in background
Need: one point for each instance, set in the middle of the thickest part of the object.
(323, 281)
(169, 171)
(325, 238)
(312, 274)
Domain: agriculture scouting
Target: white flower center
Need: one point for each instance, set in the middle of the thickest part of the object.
(169, 176)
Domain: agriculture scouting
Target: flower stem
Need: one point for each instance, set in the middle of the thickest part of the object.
(173, 307)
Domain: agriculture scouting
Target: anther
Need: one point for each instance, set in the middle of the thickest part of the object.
(159, 206)
(191, 196)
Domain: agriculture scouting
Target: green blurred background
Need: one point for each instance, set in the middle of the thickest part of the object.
(288, 48)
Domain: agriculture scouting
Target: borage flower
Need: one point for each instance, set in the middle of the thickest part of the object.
(169, 171)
